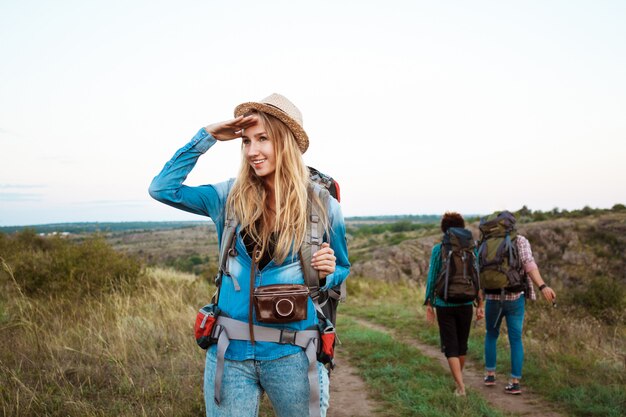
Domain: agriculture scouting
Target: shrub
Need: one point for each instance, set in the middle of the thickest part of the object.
(57, 266)
(602, 297)
(603, 238)
(396, 238)
(524, 212)
(401, 226)
(395, 227)
(619, 207)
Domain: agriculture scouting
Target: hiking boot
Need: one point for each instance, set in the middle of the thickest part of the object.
(490, 380)
(513, 388)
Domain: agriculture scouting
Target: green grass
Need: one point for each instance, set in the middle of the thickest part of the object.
(406, 382)
(576, 364)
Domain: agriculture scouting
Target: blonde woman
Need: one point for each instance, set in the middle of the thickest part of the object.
(269, 200)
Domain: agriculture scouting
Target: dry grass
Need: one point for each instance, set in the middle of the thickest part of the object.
(587, 346)
(124, 354)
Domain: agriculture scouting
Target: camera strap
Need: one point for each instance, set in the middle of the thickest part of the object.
(251, 300)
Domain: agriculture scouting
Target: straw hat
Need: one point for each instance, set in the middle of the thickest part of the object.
(284, 110)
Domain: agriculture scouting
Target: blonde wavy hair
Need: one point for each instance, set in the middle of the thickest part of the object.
(247, 199)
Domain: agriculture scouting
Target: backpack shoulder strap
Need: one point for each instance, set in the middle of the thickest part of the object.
(313, 239)
(227, 248)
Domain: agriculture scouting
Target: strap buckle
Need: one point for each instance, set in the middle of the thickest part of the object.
(287, 337)
(217, 331)
(315, 293)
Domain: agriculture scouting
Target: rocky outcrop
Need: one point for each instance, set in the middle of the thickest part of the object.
(568, 251)
(405, 261)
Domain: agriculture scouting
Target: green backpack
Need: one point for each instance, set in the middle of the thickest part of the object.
(498, 257)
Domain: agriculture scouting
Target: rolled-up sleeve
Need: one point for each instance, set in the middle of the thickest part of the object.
(526, 254)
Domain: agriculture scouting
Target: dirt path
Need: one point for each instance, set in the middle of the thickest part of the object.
(526, 404)
(348, 393)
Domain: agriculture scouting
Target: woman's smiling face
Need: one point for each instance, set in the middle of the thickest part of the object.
(259, 149)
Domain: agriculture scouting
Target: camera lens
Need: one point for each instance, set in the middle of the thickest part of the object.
(284, 307)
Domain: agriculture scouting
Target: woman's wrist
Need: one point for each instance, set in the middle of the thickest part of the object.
(542, 286)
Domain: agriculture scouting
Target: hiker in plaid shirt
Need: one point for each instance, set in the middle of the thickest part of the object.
(512, 308)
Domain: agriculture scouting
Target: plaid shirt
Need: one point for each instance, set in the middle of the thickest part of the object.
(528, 263)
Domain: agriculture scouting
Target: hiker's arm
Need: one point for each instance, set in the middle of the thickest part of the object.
(231, 129)
(531, 268)
(337, 240)
(433, 271)
(548, 293)
(480, 308)
(430, 314)
(167, 187)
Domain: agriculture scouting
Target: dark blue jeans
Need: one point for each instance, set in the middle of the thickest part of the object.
(513, 312)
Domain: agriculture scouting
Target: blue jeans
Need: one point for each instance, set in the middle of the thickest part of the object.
(284, 380)
(513, 311)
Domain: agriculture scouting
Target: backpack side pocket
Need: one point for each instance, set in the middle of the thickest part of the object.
(205, 321)
(326, 348)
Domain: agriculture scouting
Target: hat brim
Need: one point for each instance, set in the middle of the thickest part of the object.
(302, 139)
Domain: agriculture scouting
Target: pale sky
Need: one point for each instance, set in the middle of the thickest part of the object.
(415, 107)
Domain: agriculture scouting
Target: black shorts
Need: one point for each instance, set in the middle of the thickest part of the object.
(454, 329)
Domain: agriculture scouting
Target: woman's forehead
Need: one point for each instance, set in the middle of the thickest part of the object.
(255, 130)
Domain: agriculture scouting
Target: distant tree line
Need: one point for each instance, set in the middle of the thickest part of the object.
(97, 227)
(359, 226)
(394, 227)
(526, 215)
(414, 218)
(379, 224)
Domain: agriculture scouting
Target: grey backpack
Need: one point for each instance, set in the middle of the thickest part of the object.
(458, 281)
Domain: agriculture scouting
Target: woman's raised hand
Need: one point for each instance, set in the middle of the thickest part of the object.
(324, 260)
(231, 129)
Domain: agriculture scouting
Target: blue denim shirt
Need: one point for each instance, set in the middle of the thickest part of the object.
(210, 200)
